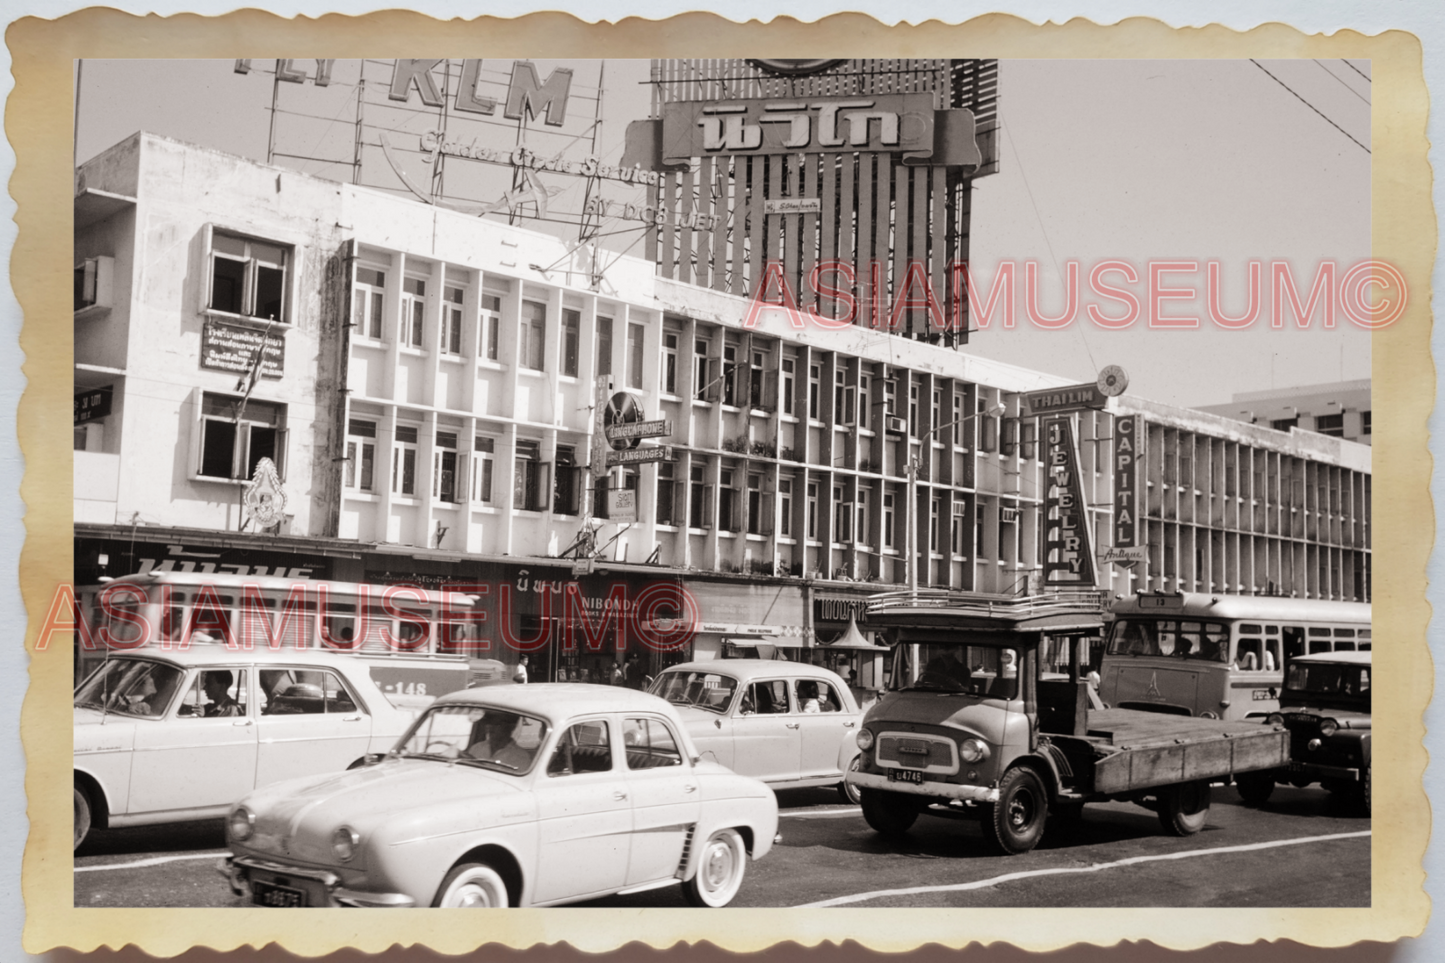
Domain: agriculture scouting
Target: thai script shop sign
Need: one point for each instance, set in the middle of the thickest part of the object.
(902, 123)
(93, 404)
(232, 347)
(1068, 543)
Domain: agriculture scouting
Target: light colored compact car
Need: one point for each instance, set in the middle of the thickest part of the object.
(169, 736)
(530, 795)
(789, 724)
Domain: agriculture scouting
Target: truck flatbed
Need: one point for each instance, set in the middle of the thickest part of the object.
(1135, 750)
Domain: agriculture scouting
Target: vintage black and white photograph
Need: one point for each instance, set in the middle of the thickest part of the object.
(790, 483)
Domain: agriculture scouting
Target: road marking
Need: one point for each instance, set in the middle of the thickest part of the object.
(1066, 870)
(154, 861)
(826, 812)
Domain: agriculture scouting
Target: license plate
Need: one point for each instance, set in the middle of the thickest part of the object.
(1296, 767)
(905, 775)
(268, 894)
(1261, 695)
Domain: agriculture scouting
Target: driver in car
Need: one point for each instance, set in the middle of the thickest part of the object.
(498, 743)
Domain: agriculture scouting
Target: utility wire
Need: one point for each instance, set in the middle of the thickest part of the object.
(1341, 82)
(1308, 104)
(1355, 69)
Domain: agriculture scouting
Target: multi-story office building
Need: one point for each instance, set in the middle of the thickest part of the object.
(1340, 410)
(428, 389)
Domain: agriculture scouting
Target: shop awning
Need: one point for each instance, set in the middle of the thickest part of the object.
(852, 638)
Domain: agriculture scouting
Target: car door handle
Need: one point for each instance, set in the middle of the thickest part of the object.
(689, 789)
(241, 722)
(792, 725)
(849, 725)
(356, 718)
(619, 795)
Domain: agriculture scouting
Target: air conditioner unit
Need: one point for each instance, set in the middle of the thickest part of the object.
(897, 425)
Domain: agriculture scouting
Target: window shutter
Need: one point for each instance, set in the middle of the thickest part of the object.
(765, 524)
(281, 436)
(714, 383)
(205, 285)
(770, 389)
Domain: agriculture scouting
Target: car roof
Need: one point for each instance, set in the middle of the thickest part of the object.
(207, 653)
(557, 700)
(745, 670)
(1351, 657)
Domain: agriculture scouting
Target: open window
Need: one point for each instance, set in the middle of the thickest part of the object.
(247, 277)
(233, 435)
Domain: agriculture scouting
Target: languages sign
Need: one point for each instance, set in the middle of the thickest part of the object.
(232, 347)
(1068, 543)
(638, 456)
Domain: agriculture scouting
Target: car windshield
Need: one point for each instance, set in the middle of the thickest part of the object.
(131, 687)
(706, 690)
(1324, 678)
(977, 670)
(1173, 638)
(480, 736)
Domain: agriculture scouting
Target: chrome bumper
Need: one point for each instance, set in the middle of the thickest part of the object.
(1320, 771)
(938, 790)
(237, 870)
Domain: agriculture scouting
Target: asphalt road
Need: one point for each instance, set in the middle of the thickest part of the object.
(1305, 848)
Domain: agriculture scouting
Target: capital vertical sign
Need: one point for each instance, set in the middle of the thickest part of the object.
(1068, 541)
(1129, 437)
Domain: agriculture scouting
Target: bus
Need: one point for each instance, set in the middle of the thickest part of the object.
(1218, 656)
(414, 640)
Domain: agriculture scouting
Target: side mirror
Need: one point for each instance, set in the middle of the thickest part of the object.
(717, 723)
(696, 760)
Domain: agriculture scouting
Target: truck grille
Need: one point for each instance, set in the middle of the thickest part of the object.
(912, 750)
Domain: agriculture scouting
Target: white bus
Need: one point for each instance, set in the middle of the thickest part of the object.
(1218, 656)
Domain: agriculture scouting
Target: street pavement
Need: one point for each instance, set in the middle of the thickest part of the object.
(1305, 848)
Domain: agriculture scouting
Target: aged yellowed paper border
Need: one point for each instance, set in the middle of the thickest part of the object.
(38, 123)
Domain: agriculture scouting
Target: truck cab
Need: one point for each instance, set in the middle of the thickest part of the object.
(974, 727)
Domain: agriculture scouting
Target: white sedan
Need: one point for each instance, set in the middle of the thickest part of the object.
(789, 724)
(169, 736)
(531, 795)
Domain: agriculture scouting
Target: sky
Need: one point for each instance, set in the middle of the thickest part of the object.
(1136, 161)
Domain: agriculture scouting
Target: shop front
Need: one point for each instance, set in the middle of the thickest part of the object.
(749, 620)
(846, 644)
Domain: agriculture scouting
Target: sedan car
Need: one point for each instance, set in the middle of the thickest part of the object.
(174, 735)
(1325, 705)
(789, 724)
(530, 795)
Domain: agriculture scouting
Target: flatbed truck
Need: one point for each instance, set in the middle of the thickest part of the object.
(974, 726)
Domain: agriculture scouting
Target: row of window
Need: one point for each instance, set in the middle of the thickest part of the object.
(1332, 425)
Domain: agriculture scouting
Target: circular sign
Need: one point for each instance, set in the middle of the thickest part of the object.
(795, 68)
(622, 409)
(1113, 380)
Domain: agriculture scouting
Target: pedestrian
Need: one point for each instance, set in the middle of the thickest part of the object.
(520, 675)
(633, 672)
(618, 676)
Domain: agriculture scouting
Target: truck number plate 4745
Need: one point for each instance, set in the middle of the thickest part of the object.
(905, 775)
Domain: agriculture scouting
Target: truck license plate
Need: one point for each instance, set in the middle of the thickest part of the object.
(267, 894)
(905, 775)
(1261, 695)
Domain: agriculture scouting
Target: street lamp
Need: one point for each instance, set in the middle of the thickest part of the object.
(993, 411)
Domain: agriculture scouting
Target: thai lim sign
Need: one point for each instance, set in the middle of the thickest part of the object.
(1068, 542)
(1069, 398)
(232, 347)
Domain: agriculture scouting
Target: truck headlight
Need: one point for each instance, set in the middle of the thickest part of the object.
(343, 843)
(1328, 727)
(864, 739)
(241, 823)
(972, 750)
(1274, 719)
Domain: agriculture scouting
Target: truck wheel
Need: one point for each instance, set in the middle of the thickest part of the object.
(82, 816)
(1254, 788)
(1184, 808)
(850, 792)
(889, 813)
(1015, 823)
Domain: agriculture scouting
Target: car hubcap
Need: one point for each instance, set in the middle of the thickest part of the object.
(719, 866)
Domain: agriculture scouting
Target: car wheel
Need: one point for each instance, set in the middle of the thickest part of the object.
(1184, 808)
(850, 793)
(720, 868)
(82, 816)
(889, 813)
(1015, 823)
(1254, 788)
(473, 886)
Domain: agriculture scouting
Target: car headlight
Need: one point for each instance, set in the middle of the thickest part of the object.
(1328, 727)
(241, 823)
(864, 739)
(972, 750)
(1274, 719)
(343, 843)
